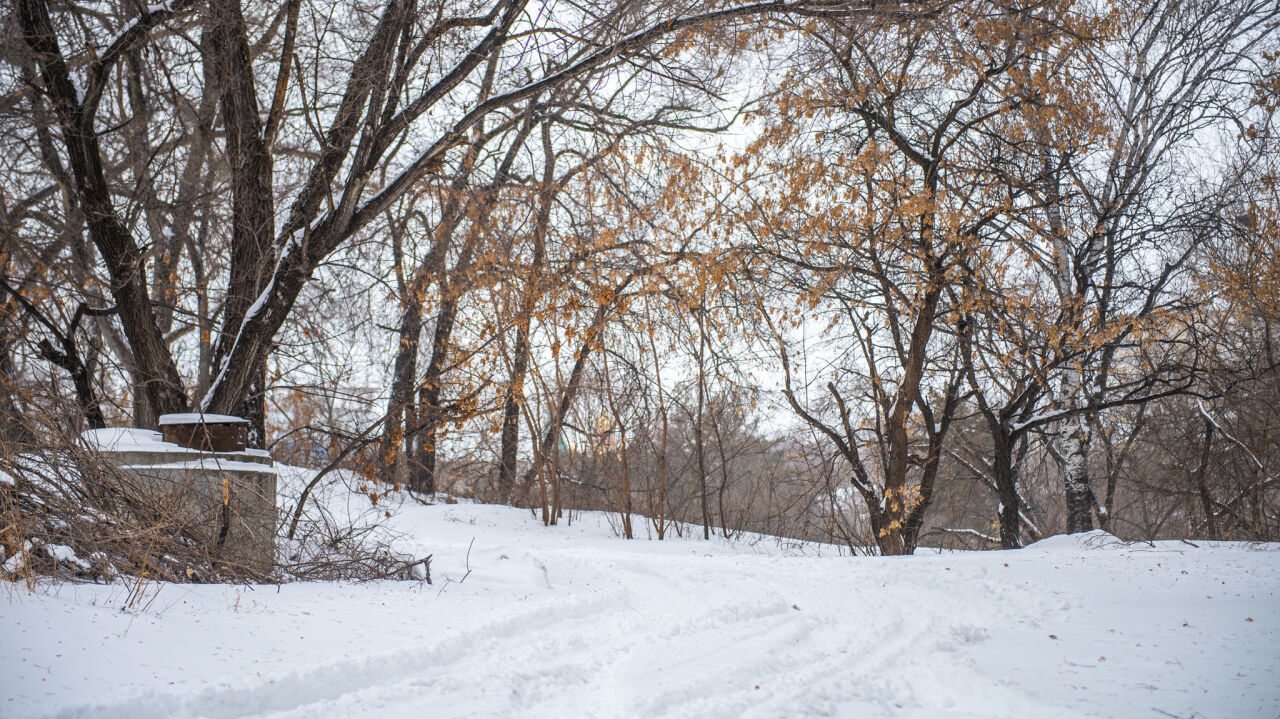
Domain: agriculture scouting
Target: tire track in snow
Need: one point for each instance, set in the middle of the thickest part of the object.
(887, 665)
(574, 666)
(339, 678)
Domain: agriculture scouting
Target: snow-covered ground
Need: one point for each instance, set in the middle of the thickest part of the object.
(571, 621)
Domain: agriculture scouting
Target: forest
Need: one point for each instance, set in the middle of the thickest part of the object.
(874, 273)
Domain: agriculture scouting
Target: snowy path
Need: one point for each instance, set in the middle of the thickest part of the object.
(570, 621)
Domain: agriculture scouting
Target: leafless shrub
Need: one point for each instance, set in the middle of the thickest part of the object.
(325, 546)
(65, 513)
(71, 516)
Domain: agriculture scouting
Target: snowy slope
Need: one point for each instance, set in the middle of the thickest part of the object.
(571, 621)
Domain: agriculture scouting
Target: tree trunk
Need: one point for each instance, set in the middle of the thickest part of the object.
(1006, 480)
(1202, 487)
(252, 198)
(511, 419)
(699, 444)
(1075, 477)
(896, 507)
(416, 415)
(120, 253)
(14, 432)
(422, 425)
(254, 409)
(425, 434)
(399, 405)
(543, 452)
(520, 366)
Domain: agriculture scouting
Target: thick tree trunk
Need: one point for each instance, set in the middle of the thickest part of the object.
(252, 198)
(404, 420)
(893, 534)
(252, 206)
(1003, 441)
(417, 415)
(1005, 477)
(1075, 477)
(423, 435)
(121, 255)
(247, 331)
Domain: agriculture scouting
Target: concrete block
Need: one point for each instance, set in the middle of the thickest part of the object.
(227, 500)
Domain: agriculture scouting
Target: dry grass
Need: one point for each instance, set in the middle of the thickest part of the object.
(67, 514)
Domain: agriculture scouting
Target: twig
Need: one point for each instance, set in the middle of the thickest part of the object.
(447, 581)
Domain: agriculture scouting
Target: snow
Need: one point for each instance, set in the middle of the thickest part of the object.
(127, 439)
(1094, 539)
(214, 464)
(142, 440)
(16, 561)
(533, 621)
(67, 555)
(199, 418)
